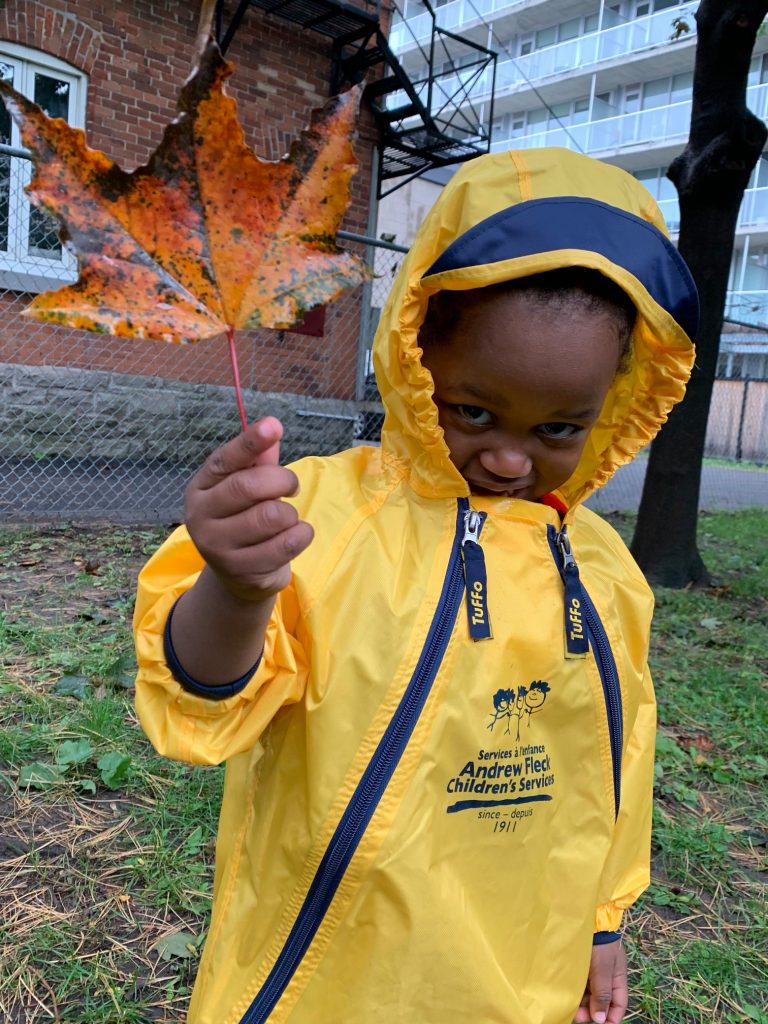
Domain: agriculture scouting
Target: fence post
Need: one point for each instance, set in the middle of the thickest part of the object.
(364, 337)
(742, 416)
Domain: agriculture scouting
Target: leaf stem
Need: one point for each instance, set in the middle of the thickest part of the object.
(236, 376)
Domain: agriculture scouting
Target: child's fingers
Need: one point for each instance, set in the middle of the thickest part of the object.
(256, 523)
(608, 984)
(265, 566)
(620, 996)
(245, 489)
(258, 445)
(582, 1015)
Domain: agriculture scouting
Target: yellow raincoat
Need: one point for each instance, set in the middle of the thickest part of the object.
(417, 827)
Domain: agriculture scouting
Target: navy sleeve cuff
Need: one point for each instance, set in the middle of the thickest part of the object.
(192, 685)
(603, 938)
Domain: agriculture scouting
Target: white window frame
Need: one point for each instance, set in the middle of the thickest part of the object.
(20, 270)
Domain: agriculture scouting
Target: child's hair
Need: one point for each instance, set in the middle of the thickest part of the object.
(560, 290)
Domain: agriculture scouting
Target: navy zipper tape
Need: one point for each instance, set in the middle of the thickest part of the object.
(373, 782)
(188, 682)
(609, 676)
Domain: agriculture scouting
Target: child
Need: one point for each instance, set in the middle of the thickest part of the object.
(393, 848)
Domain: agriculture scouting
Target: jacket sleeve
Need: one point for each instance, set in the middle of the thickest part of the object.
(191, 728)
(626, 872)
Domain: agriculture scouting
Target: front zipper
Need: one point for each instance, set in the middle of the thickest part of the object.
(370, 789)
(560, 545)
(475, 576)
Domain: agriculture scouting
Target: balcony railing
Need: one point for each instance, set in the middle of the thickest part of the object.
(753, 212)
(748, 307)
(583, 51)
(653, 127)
(458, 13)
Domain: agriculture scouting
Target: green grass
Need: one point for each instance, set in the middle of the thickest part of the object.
(699, 939)
(102, 871)
(106, 858)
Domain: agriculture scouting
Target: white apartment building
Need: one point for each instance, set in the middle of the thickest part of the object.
(611, 79)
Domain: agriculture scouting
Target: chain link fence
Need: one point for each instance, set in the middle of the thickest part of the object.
(97, 427)
(94, 426)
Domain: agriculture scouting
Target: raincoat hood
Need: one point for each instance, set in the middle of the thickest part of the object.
(510, 215)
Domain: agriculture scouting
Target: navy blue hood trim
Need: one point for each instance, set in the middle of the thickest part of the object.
(573, 222)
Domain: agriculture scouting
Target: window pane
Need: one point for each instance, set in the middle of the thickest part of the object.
(537, 116)
(682, 87)
(52, 94)
(560, 113)
(666, 189)
(649, 178)
(756, 273)
(546, 37)
(631, 100)
(569, 29)
(656, 93)
(662, 5)
(6, 73)
(591, 23)
(43, 235)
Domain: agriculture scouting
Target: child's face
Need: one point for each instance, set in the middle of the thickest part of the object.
(518, 387)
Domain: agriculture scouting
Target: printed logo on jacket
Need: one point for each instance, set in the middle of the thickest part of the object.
(501, 780)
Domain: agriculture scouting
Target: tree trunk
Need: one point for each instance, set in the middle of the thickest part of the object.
(711, 174)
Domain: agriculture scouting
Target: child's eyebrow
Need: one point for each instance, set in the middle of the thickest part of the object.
(487, 396)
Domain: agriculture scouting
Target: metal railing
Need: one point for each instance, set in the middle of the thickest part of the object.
(581, 52)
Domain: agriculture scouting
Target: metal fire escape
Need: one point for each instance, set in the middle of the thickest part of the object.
(435, 112)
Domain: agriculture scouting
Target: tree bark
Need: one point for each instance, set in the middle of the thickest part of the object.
(710, 175)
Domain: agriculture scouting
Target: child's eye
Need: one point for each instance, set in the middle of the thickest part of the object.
(558, 431)
(475, 415)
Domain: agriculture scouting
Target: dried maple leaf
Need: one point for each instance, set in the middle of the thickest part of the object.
(206, 237)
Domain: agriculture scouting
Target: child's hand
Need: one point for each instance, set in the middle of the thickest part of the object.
(234, 514)
(606, 995)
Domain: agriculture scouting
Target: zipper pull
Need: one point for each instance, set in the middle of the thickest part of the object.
(475, 576)
(576, 639)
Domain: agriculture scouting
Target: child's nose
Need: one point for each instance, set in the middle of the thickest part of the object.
(506, 461)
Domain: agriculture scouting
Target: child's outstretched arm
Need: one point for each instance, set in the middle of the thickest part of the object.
(247, 536)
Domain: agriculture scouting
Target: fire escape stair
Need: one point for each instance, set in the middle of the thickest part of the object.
(411, 139)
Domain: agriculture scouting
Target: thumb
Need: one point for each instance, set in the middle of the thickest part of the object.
(270, 432)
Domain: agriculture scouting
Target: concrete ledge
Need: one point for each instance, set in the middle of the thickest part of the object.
(64, 413)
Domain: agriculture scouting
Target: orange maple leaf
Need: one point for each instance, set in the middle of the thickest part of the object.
(204, 238)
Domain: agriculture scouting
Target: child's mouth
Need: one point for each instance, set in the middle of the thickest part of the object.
(499, 491)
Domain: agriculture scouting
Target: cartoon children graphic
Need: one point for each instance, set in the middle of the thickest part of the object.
(535, 696)
(509, 704)
(504, 704)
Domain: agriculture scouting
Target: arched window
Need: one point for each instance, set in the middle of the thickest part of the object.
(31, 256)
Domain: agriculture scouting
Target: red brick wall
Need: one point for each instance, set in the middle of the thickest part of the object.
(137, 56)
